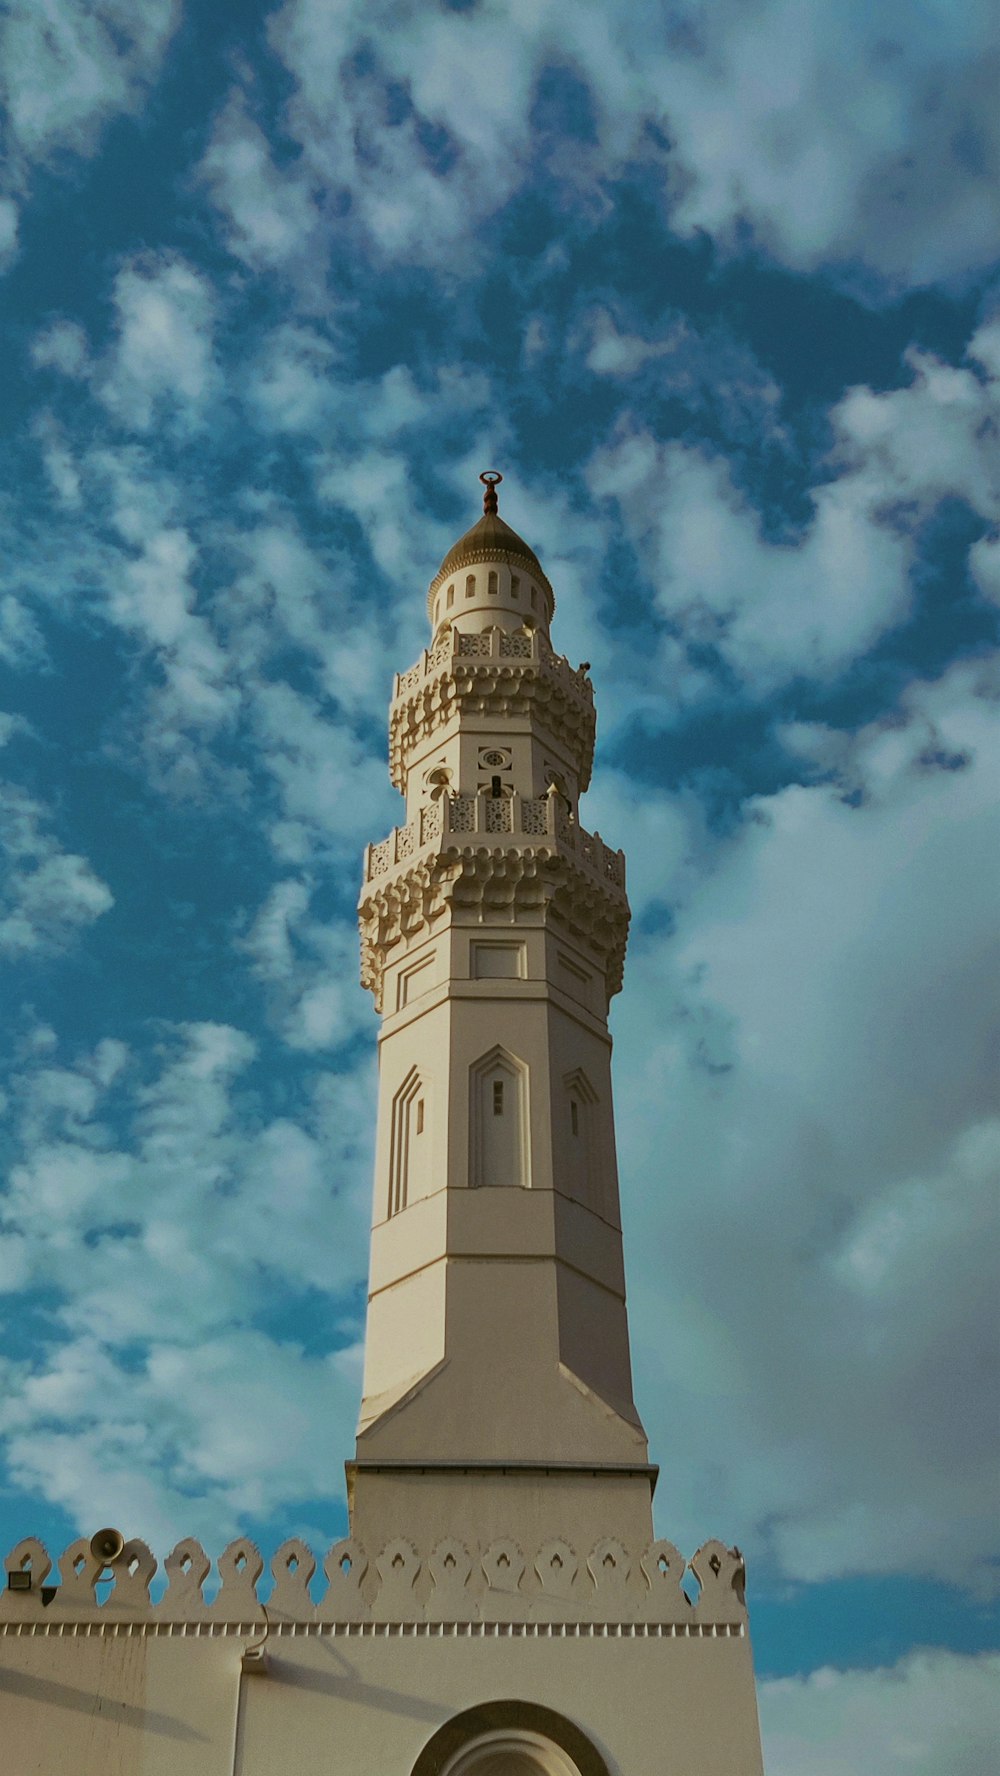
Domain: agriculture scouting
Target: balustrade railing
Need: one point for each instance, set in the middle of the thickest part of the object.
(484, 817)
(488, 644)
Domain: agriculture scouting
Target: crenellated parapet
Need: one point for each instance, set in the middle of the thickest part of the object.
(497, 675)
(449, 1584)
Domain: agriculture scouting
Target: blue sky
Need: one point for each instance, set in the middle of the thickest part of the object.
(717, 289)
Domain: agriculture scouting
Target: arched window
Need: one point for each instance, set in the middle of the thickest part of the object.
(494, 583)
(470, 585)
(409, 1152)
(498, 1121)
(451, 596)
(515, 586)
(534, 596)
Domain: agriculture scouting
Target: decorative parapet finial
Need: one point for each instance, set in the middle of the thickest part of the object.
(491, 479)
(498, 1584)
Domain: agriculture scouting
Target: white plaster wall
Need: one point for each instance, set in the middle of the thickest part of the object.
(333, 1704)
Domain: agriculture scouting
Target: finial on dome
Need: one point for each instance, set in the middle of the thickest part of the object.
(491, 479)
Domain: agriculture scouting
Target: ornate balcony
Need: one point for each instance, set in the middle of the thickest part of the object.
(493, 672)
(479, 821)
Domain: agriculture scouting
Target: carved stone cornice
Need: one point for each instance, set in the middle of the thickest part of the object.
(496, 674)
(493, 884)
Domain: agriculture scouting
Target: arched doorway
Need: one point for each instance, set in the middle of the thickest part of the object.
(510, 1738)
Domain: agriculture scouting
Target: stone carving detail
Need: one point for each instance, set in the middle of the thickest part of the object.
(187, 1567)
(430, 822)
(450, 1599)
(529, 815)
(515, 646)
(496, 676)
(133, 1573)
(498, 812)
(380, 857)
(476, 646)
(721, 1573)
(503, 1566)
(240, 1567)
(29, 1556)
(79, 1571)
(611, 1569)
(664, 1568)
(450, 1583)
(557, 1567)
(398, 1566)
(293, 1566)
(345, 1567)
(495, 884)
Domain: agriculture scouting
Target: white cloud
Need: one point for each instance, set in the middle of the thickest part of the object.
(162, 361)
(48, 895)
(270, 213)
(192, 1442)
(415, 130)
(21, 640)
(59, 462)
(902, 180)
(66, 68)
(933, 1714)
(309, 966)
(63, 346)
(613, 352)
(164, 1217)
(775, 610)
(808, 1125)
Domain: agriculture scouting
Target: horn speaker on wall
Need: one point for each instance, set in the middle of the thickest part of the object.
(107, 1545)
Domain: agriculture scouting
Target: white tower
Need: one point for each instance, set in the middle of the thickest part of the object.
(498, 1386)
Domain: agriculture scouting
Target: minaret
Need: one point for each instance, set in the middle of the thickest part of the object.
(498, 1385)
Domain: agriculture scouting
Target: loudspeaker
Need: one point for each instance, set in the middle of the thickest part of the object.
(107, 1545)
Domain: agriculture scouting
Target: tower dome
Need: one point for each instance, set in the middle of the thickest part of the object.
(513, 588)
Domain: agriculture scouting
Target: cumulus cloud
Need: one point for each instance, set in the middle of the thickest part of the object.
(48, 895)
(190, 1442)
(934, 1712)
(162, 359)
(808, 606)
(808, 1207)
(160, 363)
(417, 130)
(269, 212)
(163, 1222)
(309, 968)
